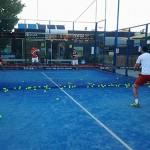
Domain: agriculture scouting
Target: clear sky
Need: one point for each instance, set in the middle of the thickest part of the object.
(132, 12)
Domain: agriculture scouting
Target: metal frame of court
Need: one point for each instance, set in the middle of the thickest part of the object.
(125, 44)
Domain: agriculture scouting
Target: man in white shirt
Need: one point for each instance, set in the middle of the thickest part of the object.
(143, 61)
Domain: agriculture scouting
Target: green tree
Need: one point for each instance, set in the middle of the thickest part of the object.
(9, 9)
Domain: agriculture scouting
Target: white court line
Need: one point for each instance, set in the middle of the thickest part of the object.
(92, 116)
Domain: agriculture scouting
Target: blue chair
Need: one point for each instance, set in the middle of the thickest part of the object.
(60, 27)
(51, 27)
(42, 26)
(22, 26)
(32, 26)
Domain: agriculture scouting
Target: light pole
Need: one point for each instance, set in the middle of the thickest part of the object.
(37, 10)
(96, 11)
(104, 41)
(116, 39)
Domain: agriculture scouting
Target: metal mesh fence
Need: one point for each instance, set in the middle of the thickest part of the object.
(57, 39)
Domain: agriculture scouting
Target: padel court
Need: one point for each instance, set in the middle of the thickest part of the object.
(65, 109)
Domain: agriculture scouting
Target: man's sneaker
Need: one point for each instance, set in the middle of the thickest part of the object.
(137, 105)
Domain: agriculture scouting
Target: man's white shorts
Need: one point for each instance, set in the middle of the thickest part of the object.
(74, 62)
(35, 60)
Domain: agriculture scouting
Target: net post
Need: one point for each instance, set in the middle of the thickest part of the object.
(95, 43)
(146, 33)
(127, 55)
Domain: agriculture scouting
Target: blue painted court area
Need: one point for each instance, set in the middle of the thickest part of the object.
(95, 118)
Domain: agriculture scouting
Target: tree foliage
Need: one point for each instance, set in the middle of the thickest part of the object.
(9, 9)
